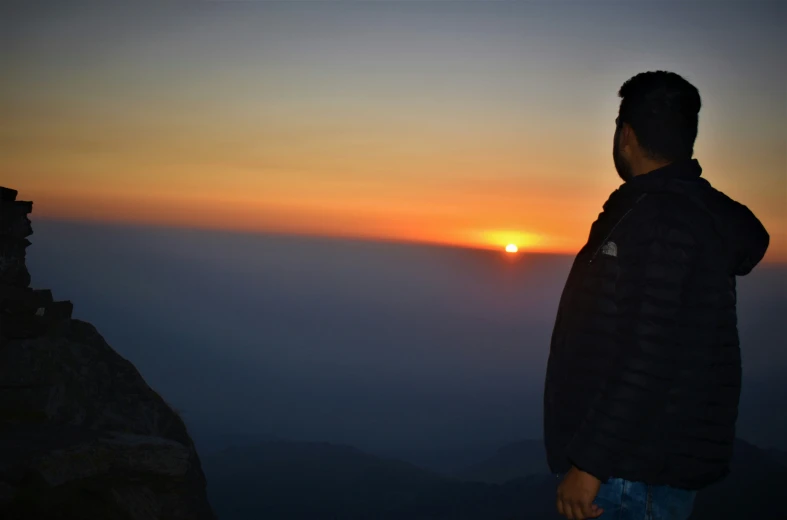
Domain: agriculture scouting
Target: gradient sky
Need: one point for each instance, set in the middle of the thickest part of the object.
(468, 122)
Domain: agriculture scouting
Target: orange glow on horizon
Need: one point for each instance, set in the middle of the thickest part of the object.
(233, 214)
(474, 231)
(517, 239)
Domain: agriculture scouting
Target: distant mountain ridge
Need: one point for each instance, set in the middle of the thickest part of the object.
(753, 490)
(296, 480)
(511, 461)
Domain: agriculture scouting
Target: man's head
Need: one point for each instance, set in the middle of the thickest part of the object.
(657, 122)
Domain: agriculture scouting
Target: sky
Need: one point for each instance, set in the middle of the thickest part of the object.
(473, 123)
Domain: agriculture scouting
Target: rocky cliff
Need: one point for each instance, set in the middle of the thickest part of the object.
(82, 436)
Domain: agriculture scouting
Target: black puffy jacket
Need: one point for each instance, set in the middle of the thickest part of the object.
(644, 372)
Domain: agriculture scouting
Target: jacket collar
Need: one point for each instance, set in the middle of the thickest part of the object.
(685, 170)
(677, 177)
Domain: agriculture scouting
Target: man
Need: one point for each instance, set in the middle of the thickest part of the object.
(644, 371)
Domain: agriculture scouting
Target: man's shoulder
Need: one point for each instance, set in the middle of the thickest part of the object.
(694, 198)
(682, 210)
(675, 220)
(700, 207)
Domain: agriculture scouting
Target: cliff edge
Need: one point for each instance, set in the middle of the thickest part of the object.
(82, 436)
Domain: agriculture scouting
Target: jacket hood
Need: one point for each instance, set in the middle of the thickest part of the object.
(746, 239)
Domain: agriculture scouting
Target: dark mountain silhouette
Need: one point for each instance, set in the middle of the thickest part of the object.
(511, 461)
(294, 480)
(445, 459)
(754, 489)
(210, 440)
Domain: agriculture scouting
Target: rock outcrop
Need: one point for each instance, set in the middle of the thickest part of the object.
(82, 436)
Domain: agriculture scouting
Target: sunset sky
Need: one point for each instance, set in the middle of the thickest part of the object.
(473, 123)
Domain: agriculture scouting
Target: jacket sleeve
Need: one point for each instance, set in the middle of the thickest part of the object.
(655, 262)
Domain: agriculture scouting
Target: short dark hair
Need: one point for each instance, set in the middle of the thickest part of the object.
(663, 110)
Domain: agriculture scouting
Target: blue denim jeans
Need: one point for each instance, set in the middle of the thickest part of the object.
(624, 500)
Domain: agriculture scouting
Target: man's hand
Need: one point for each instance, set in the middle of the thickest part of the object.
(575, 495)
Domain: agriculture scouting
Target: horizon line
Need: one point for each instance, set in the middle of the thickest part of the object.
(345, 237)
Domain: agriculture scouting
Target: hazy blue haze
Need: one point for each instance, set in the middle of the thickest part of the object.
(393, 348)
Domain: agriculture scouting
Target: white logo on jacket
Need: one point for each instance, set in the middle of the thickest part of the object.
(610, 249)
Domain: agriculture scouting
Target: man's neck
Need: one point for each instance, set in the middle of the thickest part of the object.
(647, 165)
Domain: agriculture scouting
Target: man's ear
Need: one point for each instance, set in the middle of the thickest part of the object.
(628, 137)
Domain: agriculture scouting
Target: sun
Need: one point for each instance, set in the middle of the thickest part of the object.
(511, 248)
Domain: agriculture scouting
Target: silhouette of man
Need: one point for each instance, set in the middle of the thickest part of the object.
(644, 371)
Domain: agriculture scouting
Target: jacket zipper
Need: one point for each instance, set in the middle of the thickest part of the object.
(621, 219)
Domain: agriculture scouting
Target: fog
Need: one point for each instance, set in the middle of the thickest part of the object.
(393, 348)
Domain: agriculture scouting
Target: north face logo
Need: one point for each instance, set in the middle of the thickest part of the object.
(610, 249)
